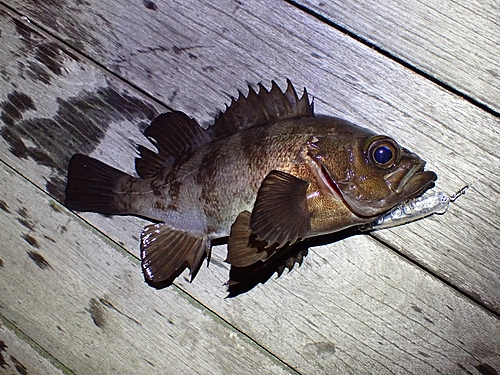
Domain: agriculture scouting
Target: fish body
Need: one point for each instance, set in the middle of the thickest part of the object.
(268, 173)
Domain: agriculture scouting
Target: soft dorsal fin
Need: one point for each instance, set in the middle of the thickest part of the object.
(172, 133)
(258, 108)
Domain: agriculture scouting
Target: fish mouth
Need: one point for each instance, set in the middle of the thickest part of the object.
(411, 182)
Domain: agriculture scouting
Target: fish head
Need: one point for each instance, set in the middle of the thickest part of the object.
(371, 173)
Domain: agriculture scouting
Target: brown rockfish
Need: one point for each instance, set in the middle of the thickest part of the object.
(268, 173)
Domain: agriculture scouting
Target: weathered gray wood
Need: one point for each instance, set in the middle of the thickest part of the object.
(190, 59)
(458, 42)
(19, 357)
(356, 309)
(355, 296)
(83, 299)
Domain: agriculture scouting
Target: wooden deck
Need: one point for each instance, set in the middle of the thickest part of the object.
(87, 76)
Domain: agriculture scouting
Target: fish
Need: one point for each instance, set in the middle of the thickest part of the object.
(268, 174)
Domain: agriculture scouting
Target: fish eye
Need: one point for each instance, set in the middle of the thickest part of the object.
(382, 151)
(382, 154)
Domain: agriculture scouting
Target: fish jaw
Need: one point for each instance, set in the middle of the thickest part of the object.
(413, 181)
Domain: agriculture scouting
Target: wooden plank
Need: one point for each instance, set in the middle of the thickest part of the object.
(18, 356)
(457, 42)
(459, 141)
(354, 306)
(83, 299)
(359, 309)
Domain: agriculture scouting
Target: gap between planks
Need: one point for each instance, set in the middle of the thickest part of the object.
(192, 299)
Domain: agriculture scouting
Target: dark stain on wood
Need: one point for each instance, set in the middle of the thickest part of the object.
(39, 260)
(25, 223)
(416, 308)
(159, 313)
(4, 206)
(3, 348)
(1, 263)
(21, 369)
(428, 320)
(26, 32)
(55, 185)
(109, 305)
(423, 354)
(23, 212)
(48, 57)
(78, 126)
(75, 28)
(180, 50)
(31, 240)
(97, 313)
(23, 220)
(150, 4)
(49, 238)
(13, 108)
(79, 123)
(486, 369)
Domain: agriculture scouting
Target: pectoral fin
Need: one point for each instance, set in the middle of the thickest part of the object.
(280, 214)
(166, 252)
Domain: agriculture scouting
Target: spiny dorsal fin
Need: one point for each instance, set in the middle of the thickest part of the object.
(172, 133)
(261, 107)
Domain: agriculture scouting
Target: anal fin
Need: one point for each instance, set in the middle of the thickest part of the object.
(243, 247)
(166, 252)
(243, 279)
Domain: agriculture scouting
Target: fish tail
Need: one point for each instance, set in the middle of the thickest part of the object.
(94, 186)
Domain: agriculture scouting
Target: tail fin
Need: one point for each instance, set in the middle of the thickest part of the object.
(93, 186)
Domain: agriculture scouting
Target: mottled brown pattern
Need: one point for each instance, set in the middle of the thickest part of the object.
(173, 191)
(175, 182)
(256, 158)
(206, 177)
(202, 193)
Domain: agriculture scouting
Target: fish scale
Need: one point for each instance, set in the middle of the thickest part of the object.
(268, 174)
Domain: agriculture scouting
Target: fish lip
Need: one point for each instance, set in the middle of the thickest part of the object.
(415, 176)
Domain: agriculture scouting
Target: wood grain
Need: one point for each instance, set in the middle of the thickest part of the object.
(354, 306)
(83, 299)
(456, 42)
(18, 356)
(170, 55)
